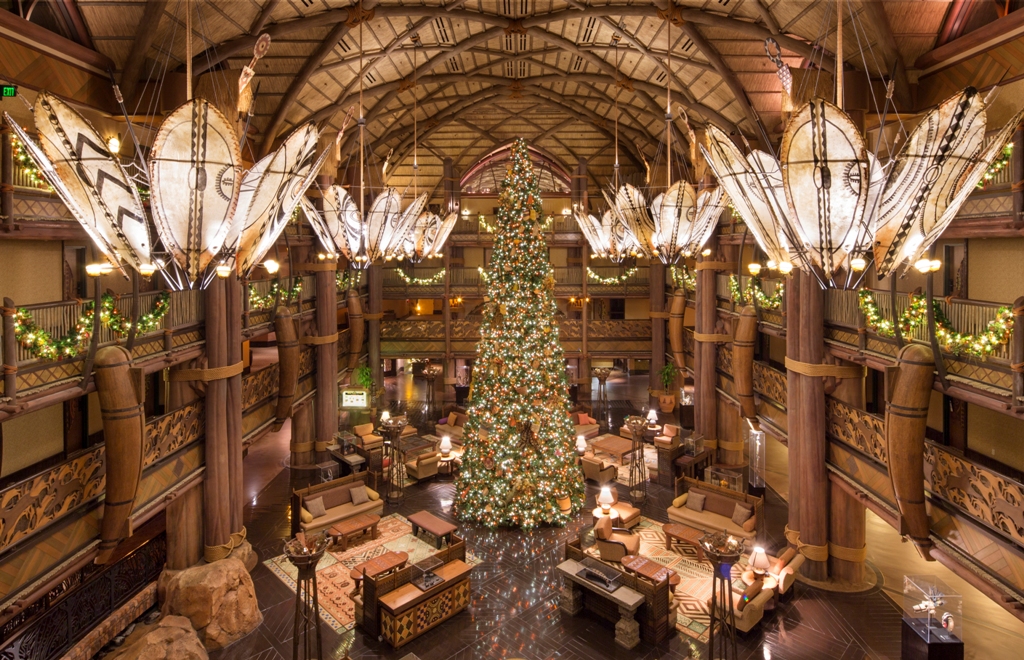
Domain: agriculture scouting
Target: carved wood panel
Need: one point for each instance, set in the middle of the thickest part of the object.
(859, 429)
(770, 384)
(169, 433)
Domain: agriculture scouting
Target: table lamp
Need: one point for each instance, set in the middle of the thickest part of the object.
(446, 446)
(581, 445)
(759, 563)
(605, 500)
(652, 417)
(385, 416)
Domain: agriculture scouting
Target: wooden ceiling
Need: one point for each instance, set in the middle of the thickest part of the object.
(486, 71)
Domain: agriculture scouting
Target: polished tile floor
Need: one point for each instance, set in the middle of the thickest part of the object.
(514, 612)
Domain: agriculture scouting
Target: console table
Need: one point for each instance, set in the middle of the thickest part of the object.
(406, 613)
(619, 605)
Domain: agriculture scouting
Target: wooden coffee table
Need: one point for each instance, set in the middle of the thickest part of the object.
(683, 534)
(614, 445)
(355, 526)
(651, 570)
(428, 522)
(388, 561)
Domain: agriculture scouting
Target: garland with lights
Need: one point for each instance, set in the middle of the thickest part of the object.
(683, 278)
(608, 281)
(348, 280)
(997, 165)
(28, 166)
(436, 278)
(996, 333)
(42, 344)
(754, 292)
(259, 303)
(519, 467)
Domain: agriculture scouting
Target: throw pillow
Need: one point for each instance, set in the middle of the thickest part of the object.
(574, 418)
(305, 516)
(740, 514)
(316, 508)
(748, 594)
(695, 501)
(359, 495)
(442, 421)
(680, 501)
(372, 494)
(750, 524)
(587, 419)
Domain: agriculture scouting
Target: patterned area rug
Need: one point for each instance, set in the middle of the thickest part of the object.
(622, 469)
(694, 589)
(333, 583)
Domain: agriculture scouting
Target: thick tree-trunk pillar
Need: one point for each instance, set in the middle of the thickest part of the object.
(216, 487)
(6, 176)
(705, 355)
(376, 282)
(583, 376)
(184, 519)
(326, 362)
(356, 329)
(847, 524)
(448, 376)
(657, 292)
(805, 343)
(234, 410)
(302, 445)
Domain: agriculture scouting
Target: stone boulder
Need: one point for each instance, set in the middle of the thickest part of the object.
(172, 638)
(219, 599)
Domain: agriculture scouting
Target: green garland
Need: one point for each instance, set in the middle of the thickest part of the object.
(754, 292)
(997, 165)
(348, 280)
(608, 281)
(436, 278)
(43, 345)
(25, 162)
(259, 303)
(996, 333)
(683, 278)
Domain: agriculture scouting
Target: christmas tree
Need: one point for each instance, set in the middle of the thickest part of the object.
(519, 467)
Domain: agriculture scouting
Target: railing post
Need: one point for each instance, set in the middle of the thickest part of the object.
(10, 351)
(6, 177)
(1016, 350)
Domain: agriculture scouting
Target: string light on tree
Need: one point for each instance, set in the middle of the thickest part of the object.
(519, 456)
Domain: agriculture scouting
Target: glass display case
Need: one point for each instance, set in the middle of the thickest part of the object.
(423, 576)
(693, 445)
(932, 609)
(725, 478)
(755, 457)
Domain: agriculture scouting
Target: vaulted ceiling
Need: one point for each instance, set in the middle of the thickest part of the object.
(475, 73)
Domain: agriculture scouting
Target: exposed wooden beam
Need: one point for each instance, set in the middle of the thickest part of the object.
(145, 33)
(766, 16)
(890, 53)
(263, 17)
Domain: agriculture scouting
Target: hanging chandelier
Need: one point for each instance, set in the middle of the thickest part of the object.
(426, 238)
(608, 236)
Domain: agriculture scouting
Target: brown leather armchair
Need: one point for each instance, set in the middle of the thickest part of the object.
(669, 438)
(423, 466)
(629, 516)
(597, 470)
(614, 543)
(367, 438)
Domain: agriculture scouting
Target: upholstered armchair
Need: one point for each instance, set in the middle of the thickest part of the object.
(423, 466)
(785, 568)
(629, 516)
(669, 437)
(614, 543)
(748, 614)
(409, 429)
(597, 470)
(367, 438)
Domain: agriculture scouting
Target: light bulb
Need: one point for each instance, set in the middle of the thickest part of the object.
(785, 268)
(465, 213)
(146, 270)
(114, 144)
(321, 256)
(271, 266)
(923, 265)
(754, 268)
(706, 252)
(858, 264)
(771, 264)
(223, 271)
(935, 265)
(94, 270)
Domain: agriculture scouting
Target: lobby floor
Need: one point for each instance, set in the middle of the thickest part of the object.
(514, 612)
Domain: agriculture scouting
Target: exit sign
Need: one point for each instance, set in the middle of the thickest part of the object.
(10, 91)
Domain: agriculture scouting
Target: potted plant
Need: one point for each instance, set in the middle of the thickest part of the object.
(667, 396)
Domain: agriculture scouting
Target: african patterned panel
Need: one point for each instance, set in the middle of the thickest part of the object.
(169, 433)
(826, 178)
(758, 206)
(770, 383)
(939, 166)
(195, 177)
(608, 236)
(633, 211)
(29, 505)
(266, 201)
(861, 430)
(986, 495)
(343, 222)
(427, 236)
(74, 159)
(683, 221)
(400, 629)
(383, 225)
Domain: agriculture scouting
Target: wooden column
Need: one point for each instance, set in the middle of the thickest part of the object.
(448, 377)
(10, 366)
(658, 347)
(6, 176)
(375, 277)
(356, 330)
(705, 355)
(847, 523)
(326, 362)
(583, 375)
(807, 420)
(452, 188)
(302, 445)
(234, 406)
(217, 486)
(1017, 176)
(184, 520)
(793, 383)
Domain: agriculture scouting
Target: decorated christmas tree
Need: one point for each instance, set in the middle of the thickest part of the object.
(519, 467)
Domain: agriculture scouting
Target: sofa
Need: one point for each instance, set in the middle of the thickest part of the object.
(597, 470)
(719, 506)
(453, 426)
(337, 501)
(585, 425)
(423, 466)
